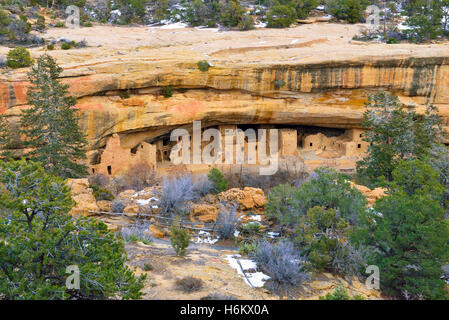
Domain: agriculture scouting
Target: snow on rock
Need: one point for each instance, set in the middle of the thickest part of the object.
(256, 278)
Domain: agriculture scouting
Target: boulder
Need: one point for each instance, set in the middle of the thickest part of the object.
(156, 232)
(85, 203)
(371, 195)
(78, 186)
(105, 205)
(131, 209)
(83, 197)
(127, 195)
(247, 199)
(204, 212)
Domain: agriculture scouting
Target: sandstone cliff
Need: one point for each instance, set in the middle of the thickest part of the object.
(281, 83)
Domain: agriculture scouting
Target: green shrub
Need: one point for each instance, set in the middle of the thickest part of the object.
(392, 40)
(50, 47)
(101, 194)
(340, 293)
(251, 227)
(319, 233)
(167, 91)
(281, 16)
(247, 247)
(60, 24)
(350, 10)
(40, 23)
(39, 240)
(203, 65)
(4, 22)
(66, 46)
(246, 23)
(218, 180)
(18, 58)
(279, 84)
(326, 188)
(303, 7)
(179, 238)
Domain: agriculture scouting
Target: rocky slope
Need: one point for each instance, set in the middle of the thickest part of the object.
(310, 75)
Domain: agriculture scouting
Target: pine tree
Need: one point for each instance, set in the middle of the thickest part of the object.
(50, 126)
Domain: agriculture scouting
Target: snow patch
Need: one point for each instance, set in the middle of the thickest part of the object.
(272, 235)
(167, 24)
(256, 279)
(205, 237)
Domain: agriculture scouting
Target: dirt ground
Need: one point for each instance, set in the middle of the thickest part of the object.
(202, 261)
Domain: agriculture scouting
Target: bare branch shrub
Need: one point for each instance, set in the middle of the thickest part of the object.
(119, 184)
(218, 296)
(140, 176)
(227, 222)
(99, 179)
(291, 172)
(177, 191)
(136, 232)
(118, 206)
(189, 284)
(203, 185)
(349, 260)
(282, 262)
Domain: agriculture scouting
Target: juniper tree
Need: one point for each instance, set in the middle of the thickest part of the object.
(409, 233)
(50, 126)
(39, 240)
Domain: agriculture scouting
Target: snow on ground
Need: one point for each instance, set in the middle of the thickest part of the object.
(169, 25)
(256, 278)
(205, 237)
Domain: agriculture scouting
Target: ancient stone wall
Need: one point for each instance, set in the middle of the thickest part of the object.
(115, 159)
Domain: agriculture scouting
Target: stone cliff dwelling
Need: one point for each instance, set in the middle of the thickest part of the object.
(313, 146)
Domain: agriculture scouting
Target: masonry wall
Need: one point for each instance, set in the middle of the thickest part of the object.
(115, 159)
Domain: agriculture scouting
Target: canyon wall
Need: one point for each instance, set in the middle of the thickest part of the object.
(125, 96)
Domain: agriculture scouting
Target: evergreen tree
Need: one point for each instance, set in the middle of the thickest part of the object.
(424, 19)
(39, 240)
(410, 234)
(232, 13)
(396, 132)
(218, 180)
(5, 138)
(50, 126)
